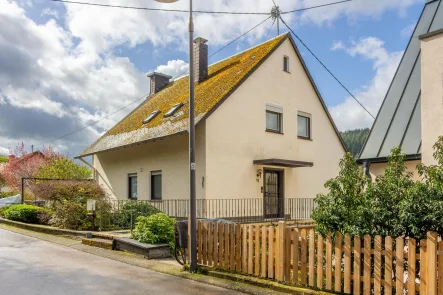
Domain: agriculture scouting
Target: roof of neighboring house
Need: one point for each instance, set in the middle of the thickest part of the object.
(224, 78)
(398, 122)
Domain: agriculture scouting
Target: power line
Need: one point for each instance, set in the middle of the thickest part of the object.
(159, 9)
(144, 96)
(196, 11)
(326, 68)
(239, 37)
(318, 6)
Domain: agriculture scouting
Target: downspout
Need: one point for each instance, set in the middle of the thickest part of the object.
(366, 166)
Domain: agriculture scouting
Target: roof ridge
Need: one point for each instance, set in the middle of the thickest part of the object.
(239, 53)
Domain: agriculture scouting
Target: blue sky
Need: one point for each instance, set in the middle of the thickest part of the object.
(66, 65)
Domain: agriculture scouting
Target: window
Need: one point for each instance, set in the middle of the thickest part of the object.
(173, 110)
(304, 127)
(151, 117)
(286, 64)
(274, 122)
(132, 181)
(156, 185)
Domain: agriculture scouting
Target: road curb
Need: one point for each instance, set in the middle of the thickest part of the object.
(54, 230)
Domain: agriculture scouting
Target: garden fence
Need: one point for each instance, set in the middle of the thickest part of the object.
(344, 264)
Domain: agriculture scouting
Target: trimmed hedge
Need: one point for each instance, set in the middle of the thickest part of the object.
(27, 214)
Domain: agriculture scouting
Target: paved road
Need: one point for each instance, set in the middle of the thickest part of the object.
(31, 267)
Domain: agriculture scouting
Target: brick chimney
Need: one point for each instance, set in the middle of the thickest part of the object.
(158, 81)
(200, 59)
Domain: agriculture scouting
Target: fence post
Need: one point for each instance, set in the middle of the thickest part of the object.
(432, 238)
(280, 253)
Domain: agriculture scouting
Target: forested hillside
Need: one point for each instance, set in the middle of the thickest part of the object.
(355, 139)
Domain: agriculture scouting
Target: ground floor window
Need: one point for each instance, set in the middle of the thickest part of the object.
(132, 185)
(156, 185)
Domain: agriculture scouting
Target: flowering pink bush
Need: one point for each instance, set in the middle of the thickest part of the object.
(23, 164)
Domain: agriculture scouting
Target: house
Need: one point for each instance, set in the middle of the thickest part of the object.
(262, 132)
(411, 115)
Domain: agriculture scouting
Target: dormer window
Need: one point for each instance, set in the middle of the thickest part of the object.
(174, 109)
(151, 117)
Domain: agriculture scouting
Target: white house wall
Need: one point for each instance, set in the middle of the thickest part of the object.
(236, 134)
(169, 155)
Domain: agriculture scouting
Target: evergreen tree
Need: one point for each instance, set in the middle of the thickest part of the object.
(355, 139)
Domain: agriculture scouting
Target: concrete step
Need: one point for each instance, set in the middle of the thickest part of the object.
(98, 242)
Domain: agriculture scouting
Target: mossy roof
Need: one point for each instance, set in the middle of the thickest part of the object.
(223, 78)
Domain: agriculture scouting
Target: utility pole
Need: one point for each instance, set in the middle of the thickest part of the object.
(192, 188)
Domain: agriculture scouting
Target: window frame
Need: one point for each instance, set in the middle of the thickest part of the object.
(130, 192)
(152, 175)
(309, 122)
(279, 122)
(286, 64)
(173, 110)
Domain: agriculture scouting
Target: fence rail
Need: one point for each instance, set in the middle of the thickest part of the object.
(337, 263)
(123, 213)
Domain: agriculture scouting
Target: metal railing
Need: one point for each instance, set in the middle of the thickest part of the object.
(122, 214)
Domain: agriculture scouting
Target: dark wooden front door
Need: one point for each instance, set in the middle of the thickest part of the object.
(273, 194)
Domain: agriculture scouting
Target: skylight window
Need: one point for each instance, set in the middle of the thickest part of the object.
(174, 109)
(151, 117)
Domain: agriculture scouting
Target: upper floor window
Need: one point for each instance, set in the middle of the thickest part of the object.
(173, 110)
(132, 186)
(304, 126)
(274, 118)
(286, 64)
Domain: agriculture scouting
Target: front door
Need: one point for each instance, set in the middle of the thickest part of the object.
(273, 194)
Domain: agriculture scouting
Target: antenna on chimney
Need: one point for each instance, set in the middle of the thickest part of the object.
(275, 14)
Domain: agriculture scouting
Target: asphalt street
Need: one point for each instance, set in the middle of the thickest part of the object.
(30, 266)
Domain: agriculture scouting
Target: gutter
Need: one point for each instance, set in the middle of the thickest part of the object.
(369, 161)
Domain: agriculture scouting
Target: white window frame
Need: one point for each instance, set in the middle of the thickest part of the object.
(286, 69)
(309, 117)
(278, 109)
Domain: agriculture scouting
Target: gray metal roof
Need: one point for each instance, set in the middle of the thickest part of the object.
(398, 120)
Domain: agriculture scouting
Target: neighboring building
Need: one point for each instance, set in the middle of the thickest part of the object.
(263, 131)
(411, 115)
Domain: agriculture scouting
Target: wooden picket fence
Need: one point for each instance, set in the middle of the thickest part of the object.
(300, 256)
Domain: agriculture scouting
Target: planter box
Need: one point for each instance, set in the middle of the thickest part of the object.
(147, 250)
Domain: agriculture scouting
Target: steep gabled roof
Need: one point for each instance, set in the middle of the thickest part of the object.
(398, 122)
(224, 77)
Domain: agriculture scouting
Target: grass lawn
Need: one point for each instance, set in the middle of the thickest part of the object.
(3, 159)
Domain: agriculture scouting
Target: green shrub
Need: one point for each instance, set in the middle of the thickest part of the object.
(26, 213)
(67, 199)
(155, 229)
(129, 211)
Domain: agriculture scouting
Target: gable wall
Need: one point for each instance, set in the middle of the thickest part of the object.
(236, 134)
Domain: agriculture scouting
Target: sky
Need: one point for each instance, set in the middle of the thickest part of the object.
(64, 66)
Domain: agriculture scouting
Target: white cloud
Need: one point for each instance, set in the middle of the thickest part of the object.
(50, 12)
(349, 114)
(337, 45)
(353, 10)
(4, 151)
(174, 68)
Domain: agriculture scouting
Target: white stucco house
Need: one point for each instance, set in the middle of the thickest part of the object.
(262, 132)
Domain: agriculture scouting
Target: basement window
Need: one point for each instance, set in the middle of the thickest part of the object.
(174, 109)
(151, 117)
